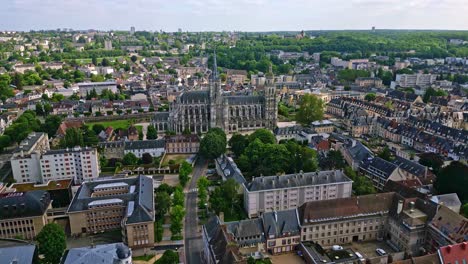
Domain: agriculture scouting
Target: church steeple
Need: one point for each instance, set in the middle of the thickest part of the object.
(214, 74)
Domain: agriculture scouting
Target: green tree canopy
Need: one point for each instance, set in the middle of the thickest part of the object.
(213, 144)
(52, 243)
(453, 179)
(370, 97)
(264, 135)
(73, 137)
(152, 133)
(310, 109)
(238, 143)
(130, 159)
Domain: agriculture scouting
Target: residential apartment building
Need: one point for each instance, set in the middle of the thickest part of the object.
(80, 164)
(341, 221)
(23, 214)
(126, 204)
(182, 144)
(35, 162)
(282, 231)
(266, 194)
(412, 80)
(368, 82)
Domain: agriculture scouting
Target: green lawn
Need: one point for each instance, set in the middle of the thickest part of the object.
(99, 60)
(124, 124)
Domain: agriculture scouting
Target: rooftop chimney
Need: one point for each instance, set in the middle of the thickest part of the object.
(400, 206)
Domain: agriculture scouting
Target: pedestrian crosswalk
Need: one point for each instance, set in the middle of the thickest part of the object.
(194, 190)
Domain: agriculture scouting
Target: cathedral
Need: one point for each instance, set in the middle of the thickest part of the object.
(199, 111)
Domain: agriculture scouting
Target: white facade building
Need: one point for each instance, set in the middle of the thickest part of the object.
(266, 194)
(411, 80)
(139, 147)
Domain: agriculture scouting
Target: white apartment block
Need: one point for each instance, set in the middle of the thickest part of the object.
(35, 162)
(266, 194)
(81, 164)
(411, 80)
(139, 147)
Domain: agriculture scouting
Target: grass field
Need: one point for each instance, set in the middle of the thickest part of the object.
(89, 60)
(124, 124)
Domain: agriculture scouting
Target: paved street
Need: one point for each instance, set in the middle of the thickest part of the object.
(193, 240)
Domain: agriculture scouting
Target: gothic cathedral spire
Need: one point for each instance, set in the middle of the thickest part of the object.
(214, 74)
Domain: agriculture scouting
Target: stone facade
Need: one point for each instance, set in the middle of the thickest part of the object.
(201, 110)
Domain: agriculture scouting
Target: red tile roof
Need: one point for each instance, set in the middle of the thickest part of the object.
(452, 253)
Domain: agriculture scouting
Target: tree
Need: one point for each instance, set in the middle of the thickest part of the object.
(432, 161)
(97, 128)
(146, 158)
(52, 243)
(264, 135)
(225, 197)
(333, 160)
(310, 109)
(39, 109)
(47, 109)
(432, 92)
(213, 144)
(184, 171)
(130, 159)
(178, 196)
(51, 124)
(163, 201)
(202, 185)
(370, 97)
(464, 210)
(152, 133)
(134, 58)
(5, 141)
(73, 137)
(140, 135)
(238, 143)
(176, 215)
(385, 154)
(361, 184)
(169, 257)
(453, 179)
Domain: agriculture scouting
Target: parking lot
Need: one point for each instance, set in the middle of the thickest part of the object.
(367, 249)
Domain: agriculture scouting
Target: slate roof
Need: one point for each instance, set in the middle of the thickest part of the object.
(449, 200)
(142, 198)
(358, 152)
(245, 100)
(289, 130)
(21, 254)
(296, 180)
(161, 116)
(377, 165)
(410, 166)
(195, 96)
(246, 232)
(103, 254)
(23, 204)
(145, 144)
(342, 208)
(230, 169)
(280, 223)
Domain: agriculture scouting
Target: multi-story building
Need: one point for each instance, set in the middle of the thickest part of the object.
(126, 204)
(265, 194)
(341, 221)
(23, 214)
(154, 147)
(35, 162)
(324, 126)
(116, 253)
(412, 80)
(282, 231)
(80, 164)
(369, 82)
(182, 144)
(446, 228)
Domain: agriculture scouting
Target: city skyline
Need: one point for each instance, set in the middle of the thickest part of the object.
(243, 15)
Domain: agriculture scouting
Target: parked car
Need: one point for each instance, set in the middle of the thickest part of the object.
(337, 247)
(380, 252)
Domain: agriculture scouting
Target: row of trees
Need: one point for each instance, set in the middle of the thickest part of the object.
(260, 154)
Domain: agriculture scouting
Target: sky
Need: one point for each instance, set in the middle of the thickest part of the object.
(229, 15)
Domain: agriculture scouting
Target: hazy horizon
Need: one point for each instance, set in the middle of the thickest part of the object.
(241, 15)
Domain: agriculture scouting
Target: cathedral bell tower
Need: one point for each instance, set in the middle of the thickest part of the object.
(216, 100)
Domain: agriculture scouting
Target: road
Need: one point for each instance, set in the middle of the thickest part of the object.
(192, 238)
